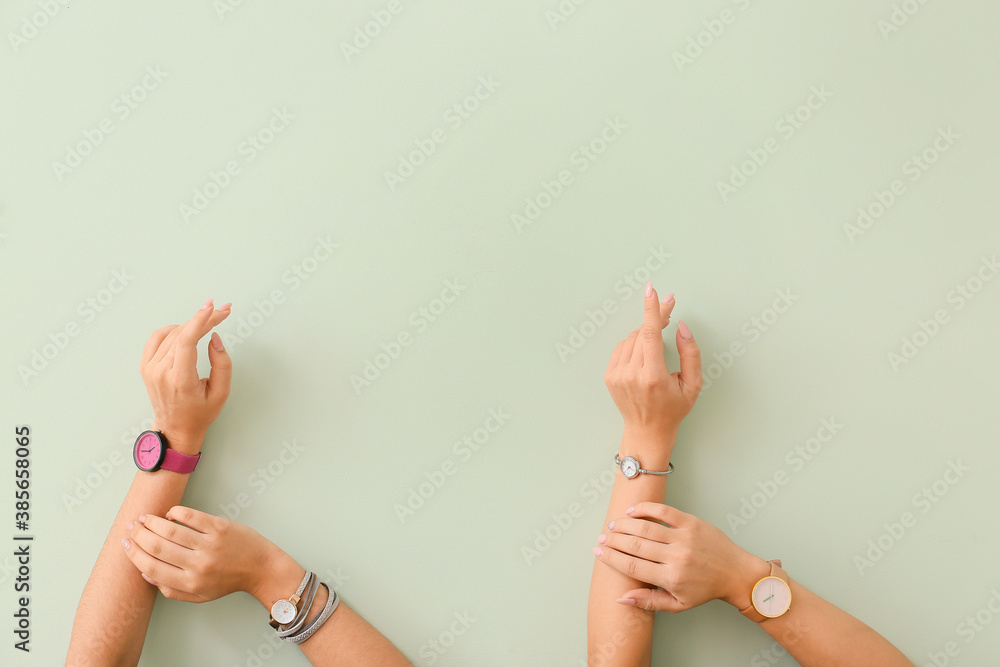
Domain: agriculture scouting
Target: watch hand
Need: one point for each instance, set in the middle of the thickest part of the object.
(767, 598)
(148, 450)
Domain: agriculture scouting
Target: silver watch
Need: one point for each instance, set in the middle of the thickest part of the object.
(631, 468)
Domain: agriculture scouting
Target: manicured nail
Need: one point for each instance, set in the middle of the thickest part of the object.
(142, 518)
(629, 510)
(668, 299)
(685, 332)
(130, 525)
(126, 544)
(649, 290)
(208, 304)
(601, 539)
(148, 579)
(217, 341)
(626, 601)
(226, 306)
(598, 551)
(611, 525)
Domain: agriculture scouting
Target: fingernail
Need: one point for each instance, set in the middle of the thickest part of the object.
(226, 306)
(649, 290)
(626, 601)
(142, 518)
(668, 299)
(126, 544)
(601, 539)
(598, 551)
(148, 579)
(217, 341)
(130, 525)
(611, 525)
(629, 510)
(685, 332)
(208, 304)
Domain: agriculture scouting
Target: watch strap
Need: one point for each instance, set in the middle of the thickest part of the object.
(751, 611)
(295, 599)
(177, 462)
(670, 467)
(300, 618)
(332, 601)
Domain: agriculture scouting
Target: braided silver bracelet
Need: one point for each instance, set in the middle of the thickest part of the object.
(332, 601)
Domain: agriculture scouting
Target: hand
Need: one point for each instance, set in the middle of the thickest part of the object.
(690, 560)
(201, 557)
(183, 405)
(652, 400)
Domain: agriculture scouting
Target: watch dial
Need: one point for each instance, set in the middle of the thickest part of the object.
(630, 467)
(147, 451)
(772, 597)
(283, 612)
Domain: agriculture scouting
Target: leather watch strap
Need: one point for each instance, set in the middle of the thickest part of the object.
(751, 611)
(331, 605)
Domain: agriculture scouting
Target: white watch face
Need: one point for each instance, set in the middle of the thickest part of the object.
(771, 597)
(630, 468)
(283, 612)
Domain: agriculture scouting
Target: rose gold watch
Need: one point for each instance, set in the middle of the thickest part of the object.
(771, 595)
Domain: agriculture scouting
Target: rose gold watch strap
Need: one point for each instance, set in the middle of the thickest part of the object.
(751, 611)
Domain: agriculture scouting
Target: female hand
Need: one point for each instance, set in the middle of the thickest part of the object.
(201, 557)
(690, 560)
(652, 400)
(183, 405)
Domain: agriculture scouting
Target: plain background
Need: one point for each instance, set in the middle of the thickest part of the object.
(540, 305)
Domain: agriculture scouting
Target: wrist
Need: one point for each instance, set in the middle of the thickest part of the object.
(653, 447)
(181, 441)
(278, 577)
(749, 571)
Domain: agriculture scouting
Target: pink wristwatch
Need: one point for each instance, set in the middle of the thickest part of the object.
(151, 452)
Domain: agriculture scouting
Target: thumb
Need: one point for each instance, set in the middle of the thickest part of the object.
(221, 374)
(690, 358)
(651, 599)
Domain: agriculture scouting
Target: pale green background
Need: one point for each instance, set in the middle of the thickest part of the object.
(496, 345)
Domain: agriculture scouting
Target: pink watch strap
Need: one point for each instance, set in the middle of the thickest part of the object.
(177, 462)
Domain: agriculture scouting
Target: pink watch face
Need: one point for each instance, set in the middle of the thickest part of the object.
(771, 597)
(148, 452)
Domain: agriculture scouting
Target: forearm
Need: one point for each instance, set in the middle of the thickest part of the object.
(819, 634)
(345, 638)
(114, 610)
(616, 633)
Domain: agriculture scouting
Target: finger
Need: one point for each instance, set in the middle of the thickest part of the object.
(613, 362)
(168, 358)
(195, 519)
(690, 356)
(186, 344)
(160, 548)
(154, 342)
(628, 347)
(177, 594)
(646, 529)
(671, 516)
(636, 568)
(650, 331)
(221, 375)
(666, 308)
(651, 599)
(157, 570)
(173, 532)
(640, 547)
